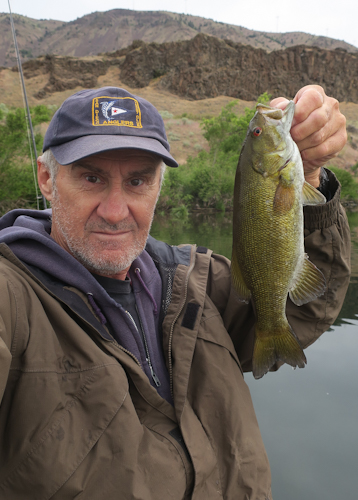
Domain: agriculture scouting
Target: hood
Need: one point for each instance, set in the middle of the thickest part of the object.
(27, 234)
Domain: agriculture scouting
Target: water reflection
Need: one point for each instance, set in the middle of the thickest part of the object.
(308, 418)
(212, 231)
(350, 306)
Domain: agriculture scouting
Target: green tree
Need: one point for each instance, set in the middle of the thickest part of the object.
(207, 180)
(17, 184)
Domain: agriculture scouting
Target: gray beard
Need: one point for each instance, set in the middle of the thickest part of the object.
(97, 264)
(87, 255)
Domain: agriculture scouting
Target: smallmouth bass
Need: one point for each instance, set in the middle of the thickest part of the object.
(268, 258)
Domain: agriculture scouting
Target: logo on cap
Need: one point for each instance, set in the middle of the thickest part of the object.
(120, 112)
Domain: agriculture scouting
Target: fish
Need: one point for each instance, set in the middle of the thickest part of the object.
(269, 262)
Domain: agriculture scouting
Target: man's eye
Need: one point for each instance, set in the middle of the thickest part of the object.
(136, 182)
(93, 179)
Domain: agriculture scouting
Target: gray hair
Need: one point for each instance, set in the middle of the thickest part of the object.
(163, 168)
(51, 164)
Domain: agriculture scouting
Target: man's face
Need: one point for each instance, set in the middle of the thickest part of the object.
(103, 206)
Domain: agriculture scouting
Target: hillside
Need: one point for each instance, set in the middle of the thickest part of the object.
(101, 32)
(198, 78)
(200, 68)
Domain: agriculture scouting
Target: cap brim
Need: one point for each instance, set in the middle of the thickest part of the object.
(89, 145)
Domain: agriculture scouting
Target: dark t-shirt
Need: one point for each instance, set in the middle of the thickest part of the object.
(121, 291)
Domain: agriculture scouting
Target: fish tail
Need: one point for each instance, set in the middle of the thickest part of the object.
(278, 345)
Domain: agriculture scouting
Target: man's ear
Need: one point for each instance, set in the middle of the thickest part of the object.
(44, 180)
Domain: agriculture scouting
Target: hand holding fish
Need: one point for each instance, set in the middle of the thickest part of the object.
(318, 128)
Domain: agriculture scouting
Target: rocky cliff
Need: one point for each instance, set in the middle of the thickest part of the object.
(205, 67)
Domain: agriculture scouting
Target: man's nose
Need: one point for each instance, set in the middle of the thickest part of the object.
(113, 206)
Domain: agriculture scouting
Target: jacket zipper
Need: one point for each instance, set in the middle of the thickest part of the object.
(123, 349)
(39, 282)
(191, 266)
(145, 342)
(120, 347)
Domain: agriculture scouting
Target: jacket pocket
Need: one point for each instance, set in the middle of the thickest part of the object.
(212, 330)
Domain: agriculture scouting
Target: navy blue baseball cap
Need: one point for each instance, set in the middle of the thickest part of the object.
(97, 120)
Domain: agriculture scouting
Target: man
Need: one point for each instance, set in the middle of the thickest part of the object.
(121, 368)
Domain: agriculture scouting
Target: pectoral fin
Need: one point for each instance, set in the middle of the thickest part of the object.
(309, 284)
(284, 199)
(238, 282)
(310, 195)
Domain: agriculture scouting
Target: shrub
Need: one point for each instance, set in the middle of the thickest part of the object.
(207, 180)
(17, 179)
(172, 136)
(348, 183)
(354, 168)
(165, 114)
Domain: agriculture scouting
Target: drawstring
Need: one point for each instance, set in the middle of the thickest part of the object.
(155, 308)
(96, 309)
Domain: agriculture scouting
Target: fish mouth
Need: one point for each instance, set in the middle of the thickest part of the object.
(268, 112)
(284, 116)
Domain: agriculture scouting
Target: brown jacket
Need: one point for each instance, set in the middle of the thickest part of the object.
(79, 418)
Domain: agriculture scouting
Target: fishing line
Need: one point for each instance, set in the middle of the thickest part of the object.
(30, 130)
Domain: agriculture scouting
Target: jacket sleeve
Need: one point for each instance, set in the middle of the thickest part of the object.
(7, 319)
(327, 242)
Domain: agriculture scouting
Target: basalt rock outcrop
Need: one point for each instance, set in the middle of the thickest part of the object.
(206, 67)
(64, 73)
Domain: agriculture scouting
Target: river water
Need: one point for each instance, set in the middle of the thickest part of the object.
(308, 418)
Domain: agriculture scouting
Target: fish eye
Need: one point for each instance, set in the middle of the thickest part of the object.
(257, 131)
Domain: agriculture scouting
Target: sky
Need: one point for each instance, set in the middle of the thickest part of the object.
(332, 18)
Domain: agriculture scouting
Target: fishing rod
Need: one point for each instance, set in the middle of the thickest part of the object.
(30, 130)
